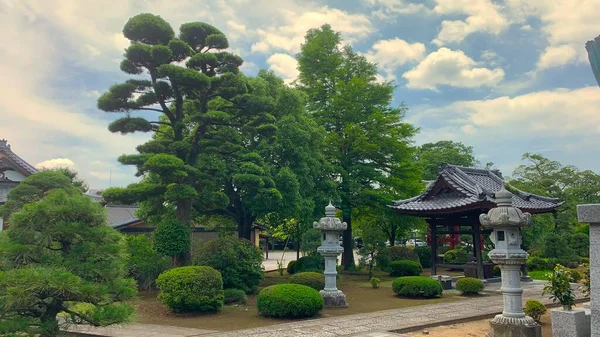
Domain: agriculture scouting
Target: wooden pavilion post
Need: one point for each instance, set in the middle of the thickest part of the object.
(433, 227)
(477, 248)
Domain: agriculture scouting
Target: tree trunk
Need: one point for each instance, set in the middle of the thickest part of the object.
(49, 326)
(245, 229)
(393, 235)
(348, 255)
(184, 215)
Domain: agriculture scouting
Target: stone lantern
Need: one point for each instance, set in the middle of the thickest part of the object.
(505, 222)
(330, 249)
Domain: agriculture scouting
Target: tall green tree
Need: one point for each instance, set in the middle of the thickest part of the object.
(431, 155)
(59, 256)
(367, 143)
(195, 112)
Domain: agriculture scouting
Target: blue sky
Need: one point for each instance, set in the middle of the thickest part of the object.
(506, 77)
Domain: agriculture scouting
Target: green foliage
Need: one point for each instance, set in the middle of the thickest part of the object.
(311, 240)
(291, 267)
(424, 253)
(396, 253)
(60, 245)
(534, 309)
(375, 282)
(289, 301)
(309, 279)
(574, 275)
(469, 285)
(585, 280)
(556, 246)
(559, 287)
(144, 263)
(405, 268)
(457, 255)
(580, 243)
(314, 262)
(366, 138)
(539, 274)
(171, 237)
(417, 286)
(238, 260)
(539, 263)
(191, 289)
(431, 155)
(234, 296)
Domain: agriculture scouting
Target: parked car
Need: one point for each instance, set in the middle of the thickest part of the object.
(416, 243)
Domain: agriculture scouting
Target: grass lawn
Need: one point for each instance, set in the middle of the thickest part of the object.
(359, 294)
(539, 274)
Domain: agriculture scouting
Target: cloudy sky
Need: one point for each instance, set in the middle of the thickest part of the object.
(505, 77)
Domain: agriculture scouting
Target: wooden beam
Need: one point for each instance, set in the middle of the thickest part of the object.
(433, 250)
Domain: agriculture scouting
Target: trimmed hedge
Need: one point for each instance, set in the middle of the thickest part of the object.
(291, 267)
(191, 289)
(314, 263)
(234, 296)
(457, 255)
(405, 268)
(424, 253)
(309, 279)
(395, 253)
(417, 286)
(289, 301)
(469, 285)
(534, 309)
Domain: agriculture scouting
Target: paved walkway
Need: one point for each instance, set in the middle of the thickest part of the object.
(375, 324)
(274, 256)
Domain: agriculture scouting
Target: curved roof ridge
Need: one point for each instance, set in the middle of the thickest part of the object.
(472, 185)
(5, 147)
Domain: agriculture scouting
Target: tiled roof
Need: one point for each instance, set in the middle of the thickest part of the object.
(469, 188)
(5, 148)
(121, 215)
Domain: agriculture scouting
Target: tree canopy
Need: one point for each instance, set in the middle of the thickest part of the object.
(431, 155)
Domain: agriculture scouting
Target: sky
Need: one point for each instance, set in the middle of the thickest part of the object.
(505, 77)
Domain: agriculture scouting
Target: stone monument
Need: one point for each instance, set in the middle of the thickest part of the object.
(330, 249)
(505, 222)
(590, 213)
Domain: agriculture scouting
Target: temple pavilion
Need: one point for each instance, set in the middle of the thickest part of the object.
(452, 203)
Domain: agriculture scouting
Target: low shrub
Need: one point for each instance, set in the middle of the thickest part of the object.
(289, 301)
(238, 260)
(417, 286)
(580, 243)
(539, 263)
(585, 260)
(395, 253)
(424, 253)
(291, 267)
(469, 285)
(234, 296)
(404, 268)
(375, 282)
(534, 252)
(443, 249)
(191, 289)
(312, 263)
(309, 279)
(534, 309)
(457, 255)
(575, 275)
(144, 264)
(497, 271)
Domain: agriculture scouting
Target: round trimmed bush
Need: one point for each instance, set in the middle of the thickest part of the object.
(457, 255)
(309, 263)
(417, 286)
(539, 263)
(289, 301)
(469, 285)
(405, 268)
(238, 260)
(291, 267)
(534, 309)
(309, 279)
(191, 289)
(234, 296)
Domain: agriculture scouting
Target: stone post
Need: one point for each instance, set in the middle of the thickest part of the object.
(506, 221)
(330, 249)
(591, 214)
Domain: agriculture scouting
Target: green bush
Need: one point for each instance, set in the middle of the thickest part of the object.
(534, 309)
(469, 285)
(457, 255)
(575, 275)
(375, 282)
(234, 296)
(417, 286)
(559, 287)
(404, 268)
(238, 260)
(497, 271)
(395, 253)
(580, 243)
(309, 279)
(585, 260)
(291, 267)
(191, 289)
(443, 249)
(539, 263)
(314, 263)
(289, 301)
(424, 253)
(144, 263)
(556, 246)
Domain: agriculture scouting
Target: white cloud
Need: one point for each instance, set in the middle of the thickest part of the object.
(284, 65)
(482, 16)
(56, 163)
(388, 9)
(526, 28)
(289, 35)
(453, 68)
(393, 53)
(556, 56)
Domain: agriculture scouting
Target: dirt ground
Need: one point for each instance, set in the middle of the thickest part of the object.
(474, 329)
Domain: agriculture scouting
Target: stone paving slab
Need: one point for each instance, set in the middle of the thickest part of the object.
(138, 330)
